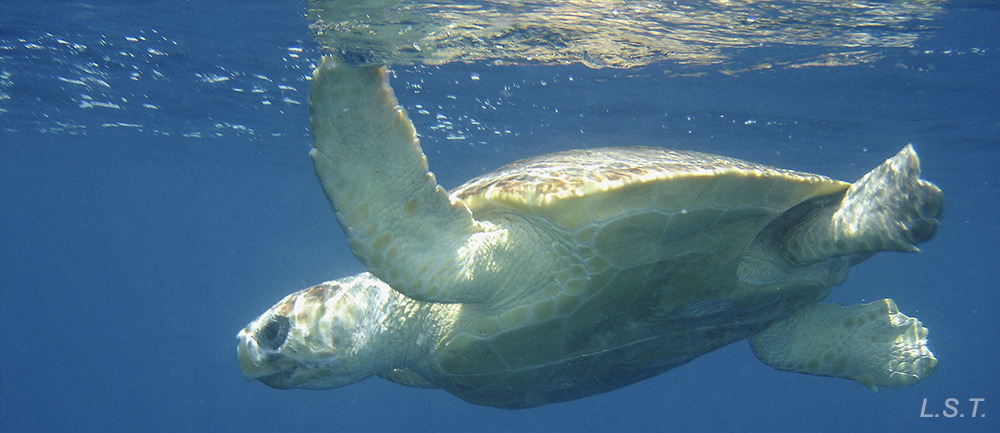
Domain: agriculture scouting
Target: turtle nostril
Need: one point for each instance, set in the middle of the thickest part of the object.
(274, 333)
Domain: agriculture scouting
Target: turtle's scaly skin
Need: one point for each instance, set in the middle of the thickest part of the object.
(571, 274)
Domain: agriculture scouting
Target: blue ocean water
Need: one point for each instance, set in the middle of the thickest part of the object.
(156, 196)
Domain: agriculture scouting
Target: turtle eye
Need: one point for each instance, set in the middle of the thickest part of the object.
(274, 333)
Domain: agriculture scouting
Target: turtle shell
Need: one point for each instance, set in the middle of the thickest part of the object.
(646, 281)
(631, 203)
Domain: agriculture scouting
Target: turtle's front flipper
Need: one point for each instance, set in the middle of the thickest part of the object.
(400, 224)
(873, 344)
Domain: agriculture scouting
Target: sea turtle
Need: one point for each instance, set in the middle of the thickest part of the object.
(575, 273)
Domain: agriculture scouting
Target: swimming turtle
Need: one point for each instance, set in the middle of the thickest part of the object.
(575, 273)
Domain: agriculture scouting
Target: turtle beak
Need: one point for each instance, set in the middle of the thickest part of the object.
(251, 362)
(258, 362)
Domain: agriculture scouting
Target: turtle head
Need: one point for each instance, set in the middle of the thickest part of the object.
(318, 338)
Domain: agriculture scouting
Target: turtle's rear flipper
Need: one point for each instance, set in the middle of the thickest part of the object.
(890, 208)
(873, 344)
